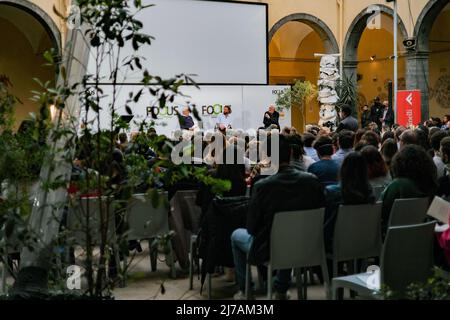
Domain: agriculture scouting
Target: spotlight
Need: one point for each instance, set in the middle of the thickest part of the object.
(372, 58)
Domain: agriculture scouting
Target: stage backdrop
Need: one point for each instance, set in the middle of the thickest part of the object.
(219, 42)
(248, 104)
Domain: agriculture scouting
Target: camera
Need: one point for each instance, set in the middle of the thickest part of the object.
(409, 44)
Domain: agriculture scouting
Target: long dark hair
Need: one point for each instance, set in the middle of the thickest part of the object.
(414, 163)
(234, 172)
(355, 184)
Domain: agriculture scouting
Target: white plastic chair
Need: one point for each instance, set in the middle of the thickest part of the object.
(408, 211)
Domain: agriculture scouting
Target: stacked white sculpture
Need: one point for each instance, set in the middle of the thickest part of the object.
(328, 97)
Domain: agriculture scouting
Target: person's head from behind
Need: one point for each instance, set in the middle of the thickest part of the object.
(445, 149)
(186, 111)
(436, 138)
(387, 135)
(345, 112)
(375, 162)
(398, 132)
(286, 131)
(123, 138)
(297, 146)
(324, 147)
(231, 166)
(354, 179)
(284, 149)
(413, 162)
(346, 138)
(308, 139)
(408, 137)
(371, 138)
(388, 150)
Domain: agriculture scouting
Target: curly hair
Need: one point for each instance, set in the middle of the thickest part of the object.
(414, 163)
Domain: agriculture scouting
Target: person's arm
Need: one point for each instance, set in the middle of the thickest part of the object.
(267, 121)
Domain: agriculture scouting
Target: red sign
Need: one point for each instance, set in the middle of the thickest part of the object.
(408, 107)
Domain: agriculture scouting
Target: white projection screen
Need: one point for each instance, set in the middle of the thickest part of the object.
(220, 42)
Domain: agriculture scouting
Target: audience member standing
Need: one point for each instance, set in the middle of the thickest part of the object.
(348, 122)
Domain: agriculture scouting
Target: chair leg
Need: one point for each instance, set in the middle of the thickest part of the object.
(299, 279)
(153, 255)
(209, 286)
(326, 278)
(4, 271)
(260, 281)
(305, 284)
(248, 280)
(191, 265)
(173, 271)
(269, 282)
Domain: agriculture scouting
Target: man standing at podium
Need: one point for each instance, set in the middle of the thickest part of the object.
(271, 117)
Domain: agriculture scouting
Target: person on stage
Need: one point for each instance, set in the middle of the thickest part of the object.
(188, 122)
(271, 117)
(224, 119)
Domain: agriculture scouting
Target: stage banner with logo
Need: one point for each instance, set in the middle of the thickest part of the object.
(248, 104)
(408, 107)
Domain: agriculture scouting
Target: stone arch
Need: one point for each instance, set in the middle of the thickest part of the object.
(425, 22)
(324, 32)
(40, 15)
(354, 33)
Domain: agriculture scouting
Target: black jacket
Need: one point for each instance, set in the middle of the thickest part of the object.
(290, 189)
(348, 123)
(214, 240)
(274, 119)
(389, 118)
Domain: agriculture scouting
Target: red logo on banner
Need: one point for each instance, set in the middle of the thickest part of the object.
(408, 107)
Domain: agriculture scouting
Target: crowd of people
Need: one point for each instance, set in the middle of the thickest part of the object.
(380, 161)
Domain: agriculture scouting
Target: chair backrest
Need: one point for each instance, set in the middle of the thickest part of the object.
(297, 239)
(184, 202)
(77, 220)
(408, 211)
(357, 232)
(144, 220)
(407, 256)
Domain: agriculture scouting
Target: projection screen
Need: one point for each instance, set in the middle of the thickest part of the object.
(220, 42)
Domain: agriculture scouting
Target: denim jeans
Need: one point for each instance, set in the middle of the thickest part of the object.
(241, 242)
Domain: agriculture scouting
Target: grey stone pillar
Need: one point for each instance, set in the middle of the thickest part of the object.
(417, 75)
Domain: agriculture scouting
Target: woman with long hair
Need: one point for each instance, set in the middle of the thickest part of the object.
(414, 176)
(354, 188)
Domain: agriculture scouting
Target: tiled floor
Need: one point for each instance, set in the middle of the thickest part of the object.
(142, 284)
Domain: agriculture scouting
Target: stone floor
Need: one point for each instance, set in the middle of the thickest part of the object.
(143, 284)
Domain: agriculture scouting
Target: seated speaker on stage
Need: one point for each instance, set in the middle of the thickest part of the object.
(271, 117)
(188, 122)
(224, 119)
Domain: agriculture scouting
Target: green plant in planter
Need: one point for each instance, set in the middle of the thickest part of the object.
(346, 89)
(297, 95)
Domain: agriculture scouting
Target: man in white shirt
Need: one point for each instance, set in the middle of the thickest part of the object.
(224, 119)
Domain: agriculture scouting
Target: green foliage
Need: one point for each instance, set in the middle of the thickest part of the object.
(347, 92)
(435, 288)
(297, 95)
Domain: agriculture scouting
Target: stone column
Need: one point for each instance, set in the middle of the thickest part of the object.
(417, 75)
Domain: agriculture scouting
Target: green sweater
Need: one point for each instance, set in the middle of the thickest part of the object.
(399, 188)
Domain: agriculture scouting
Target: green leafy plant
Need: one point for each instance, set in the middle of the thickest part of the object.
(347, 92)
(297, 95)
